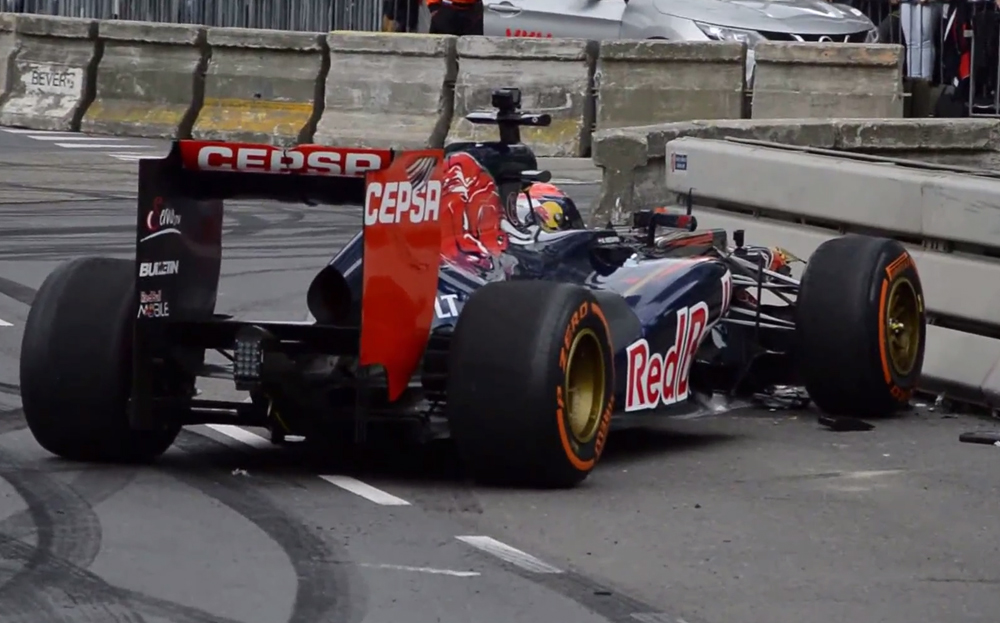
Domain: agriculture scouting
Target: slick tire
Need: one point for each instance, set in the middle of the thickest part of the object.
(861, 326)
(517, 351)
(76, 365)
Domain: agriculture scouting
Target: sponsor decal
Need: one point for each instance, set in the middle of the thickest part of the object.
(727, 292)
(446, 306)
(535, 34)
(159, 269)
(152, 305)
(161, 221)
(678, 162)
(655, 379)
(302, 160)
(392, 202)
(53, 80)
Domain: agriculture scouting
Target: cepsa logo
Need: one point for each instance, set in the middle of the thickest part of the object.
(303, 160)
(655, 379)
(392, 202)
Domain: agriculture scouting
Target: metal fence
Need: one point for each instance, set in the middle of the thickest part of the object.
(954, 45)
(305, 15)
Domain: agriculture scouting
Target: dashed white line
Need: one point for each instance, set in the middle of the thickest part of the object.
(75, 139)
(241, 435)
(130, 157)
(353, 485)
(509, 554)
(365, 490)
(430, 570)
(98, 146)
(40, 132)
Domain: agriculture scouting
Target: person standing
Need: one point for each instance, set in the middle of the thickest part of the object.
(400, 15)
(456, 17)
(921, 21)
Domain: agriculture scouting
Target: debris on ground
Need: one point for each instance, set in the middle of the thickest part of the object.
(240, 472)
(782, 397)
(985, 437)
(844, 424)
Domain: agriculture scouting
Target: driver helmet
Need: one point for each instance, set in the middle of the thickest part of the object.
(547, 207)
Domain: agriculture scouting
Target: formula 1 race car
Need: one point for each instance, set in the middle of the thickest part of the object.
(473, 303)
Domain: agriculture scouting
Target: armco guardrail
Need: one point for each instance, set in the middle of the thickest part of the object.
(931, 209)
(400, 90)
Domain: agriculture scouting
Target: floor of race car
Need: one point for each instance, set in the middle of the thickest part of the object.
(761, 517)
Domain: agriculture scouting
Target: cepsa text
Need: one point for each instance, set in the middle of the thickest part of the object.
(655, 379)
(306, 160)
(388, 203)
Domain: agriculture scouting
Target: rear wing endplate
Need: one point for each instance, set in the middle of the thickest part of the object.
(180, 221)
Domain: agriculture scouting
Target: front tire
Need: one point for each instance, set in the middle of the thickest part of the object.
(76, 365)
(861, 326)
(531, 384)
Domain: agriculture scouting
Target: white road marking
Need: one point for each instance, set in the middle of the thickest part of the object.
(366, 491)
(241, 435)
(99, 146)
(39, 132)
(431, 570)
(655, 617)
(509, 554)
(75, 139)
(130, 157)
(4, 323)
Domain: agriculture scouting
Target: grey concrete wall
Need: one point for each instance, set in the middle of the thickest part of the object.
(49, 75)
(388, 90)
(147, 79)
(633, 159)
(834, 80)
(644, 82)
(554, 76)
(263, 86)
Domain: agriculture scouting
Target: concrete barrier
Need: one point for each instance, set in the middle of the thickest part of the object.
(555, 76)
(49, 74)
(642, 82)
(149, 80)
(263, 86)
(8, 47)
(835, 80)
(633, 159)
(951, 214)
(388, 90)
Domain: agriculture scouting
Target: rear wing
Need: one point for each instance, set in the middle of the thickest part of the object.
(179, 238)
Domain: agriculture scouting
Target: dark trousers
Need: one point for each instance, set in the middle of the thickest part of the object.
(458, 20)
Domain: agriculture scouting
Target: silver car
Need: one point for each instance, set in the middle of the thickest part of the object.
(681, 20)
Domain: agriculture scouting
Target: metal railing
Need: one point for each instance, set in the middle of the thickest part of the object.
(304, 15)
(955, 45)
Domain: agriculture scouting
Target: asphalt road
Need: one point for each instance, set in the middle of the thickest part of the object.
(760, 517)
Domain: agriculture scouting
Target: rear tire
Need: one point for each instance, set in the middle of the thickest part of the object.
(531, 384)
(861, 326)
(76, 365)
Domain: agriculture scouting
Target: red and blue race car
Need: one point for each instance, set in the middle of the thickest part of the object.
(473, 303)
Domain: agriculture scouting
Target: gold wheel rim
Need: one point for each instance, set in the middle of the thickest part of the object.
(585, 385)
(903, 326)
